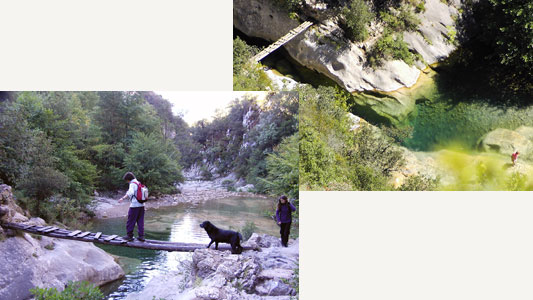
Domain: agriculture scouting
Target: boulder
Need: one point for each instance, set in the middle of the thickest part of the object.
(29, 262)
(505, 141)
(526, 132)
(11, 211)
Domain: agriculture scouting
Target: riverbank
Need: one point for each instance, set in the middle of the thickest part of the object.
(209, 274)
(30, 261)
(193, 192)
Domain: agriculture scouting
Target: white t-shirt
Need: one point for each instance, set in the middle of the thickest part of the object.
(132, 192)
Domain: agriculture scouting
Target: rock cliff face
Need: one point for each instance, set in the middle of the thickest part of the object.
(322, 47)
(30, 261)
(211, 274)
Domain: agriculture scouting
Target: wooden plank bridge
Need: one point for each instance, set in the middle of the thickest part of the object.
(115, 240)
(282, 41)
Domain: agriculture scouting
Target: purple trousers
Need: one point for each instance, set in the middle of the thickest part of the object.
(135, 215)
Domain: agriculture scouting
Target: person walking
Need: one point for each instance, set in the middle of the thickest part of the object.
(284, 218)
(136, 211)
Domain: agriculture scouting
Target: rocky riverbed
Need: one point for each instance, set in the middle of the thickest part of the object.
(267, 274)
(193, 191)
(36, 261)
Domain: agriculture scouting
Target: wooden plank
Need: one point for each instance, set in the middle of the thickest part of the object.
(28, 226)
(97, 235)
(107, 239)
(74, 233)
(83, 234)
(51, 229)
(44, 228)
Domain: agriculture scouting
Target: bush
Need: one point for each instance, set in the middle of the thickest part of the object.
(73, 291)
(419, 183)
(282, 167)
(356, 17)
(390, 46)
(248, 229)
(248, 76)
(401, 19)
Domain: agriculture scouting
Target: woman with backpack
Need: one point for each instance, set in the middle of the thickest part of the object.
(136, 211)
(284, 218)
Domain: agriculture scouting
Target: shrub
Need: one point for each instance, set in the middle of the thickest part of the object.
(419, 183)
(356, 17)
(248, 229)
(391, 46)
(248, 76)
(73, 291)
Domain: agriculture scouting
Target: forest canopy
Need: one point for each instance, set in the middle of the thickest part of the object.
(57, 148)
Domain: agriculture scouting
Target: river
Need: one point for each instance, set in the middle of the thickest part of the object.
(179, 224)
(462, 108)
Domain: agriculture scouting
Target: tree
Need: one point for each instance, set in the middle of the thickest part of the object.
(356, 17)
(506, 27)
(282, 168)
(154, 162)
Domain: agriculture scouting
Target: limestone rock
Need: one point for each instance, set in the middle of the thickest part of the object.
(324, 49)
(526, 132)
(11, 211)
(46, 262)
(505, 141)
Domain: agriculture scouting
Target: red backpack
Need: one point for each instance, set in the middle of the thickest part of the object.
(142, 192)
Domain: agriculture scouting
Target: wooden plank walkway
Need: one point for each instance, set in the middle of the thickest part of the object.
(114, 240)
(282, 41)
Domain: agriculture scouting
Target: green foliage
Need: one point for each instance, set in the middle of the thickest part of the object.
(317, 160)
(291, 6)
(282, 168)
(390, 46)
(481, 173)
(401, 19)
(248, 229)
(57, 147)
(73, 291)
(154, 162)
(356, 16)
(506, 28)
(333, 156)
(248, 76)
(241, 140)
(451, 36)
(419, 183)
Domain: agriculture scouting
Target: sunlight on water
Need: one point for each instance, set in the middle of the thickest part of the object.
(178, 224)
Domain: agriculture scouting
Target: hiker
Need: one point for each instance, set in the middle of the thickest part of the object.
(284, 218)
(136, 211)
(514, 157)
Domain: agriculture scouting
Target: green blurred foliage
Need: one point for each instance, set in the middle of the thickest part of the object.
(73, 291)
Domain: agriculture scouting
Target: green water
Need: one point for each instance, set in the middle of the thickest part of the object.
(460, 112)
(179, 224)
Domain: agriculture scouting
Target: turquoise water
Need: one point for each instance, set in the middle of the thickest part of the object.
(179, 224)
(442, 122)
(461, 110)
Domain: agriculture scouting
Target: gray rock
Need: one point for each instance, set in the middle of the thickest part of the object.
(505, 141)
(324, 49)
(274, 288)
(26, 263)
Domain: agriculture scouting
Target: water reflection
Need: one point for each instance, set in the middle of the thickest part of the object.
(178, 224)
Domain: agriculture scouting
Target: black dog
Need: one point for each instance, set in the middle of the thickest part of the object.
(223, 236)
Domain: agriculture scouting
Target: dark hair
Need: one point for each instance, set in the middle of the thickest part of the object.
(128, 176)
(279, 201)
